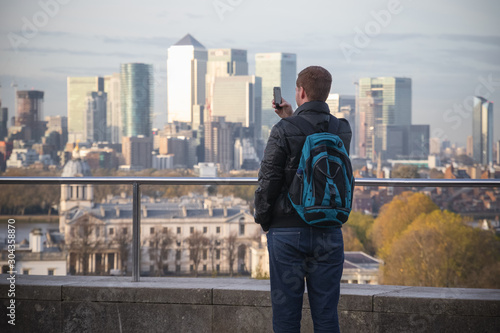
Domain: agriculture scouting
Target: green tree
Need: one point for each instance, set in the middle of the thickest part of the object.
(362, 224)
(351, 240)
(405, 171)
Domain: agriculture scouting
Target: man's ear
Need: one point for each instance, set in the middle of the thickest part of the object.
(302, 93)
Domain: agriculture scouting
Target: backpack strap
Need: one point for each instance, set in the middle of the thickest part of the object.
(307, 128)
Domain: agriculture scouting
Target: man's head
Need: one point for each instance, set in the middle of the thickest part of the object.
(313, 84)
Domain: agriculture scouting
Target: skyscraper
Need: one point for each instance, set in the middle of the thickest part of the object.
(186, 70)
(29, 114)
(382, 102)
(4, 119)
(344, 106)
(95, 124)
(78, 88)
(113, 108)
(238, 99)
(482, 131)
(276, 70)
(222, 63)
(136, 86)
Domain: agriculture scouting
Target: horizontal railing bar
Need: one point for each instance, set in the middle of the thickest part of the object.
(396, 182)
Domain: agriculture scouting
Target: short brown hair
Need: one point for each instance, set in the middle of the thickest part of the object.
(316, 82)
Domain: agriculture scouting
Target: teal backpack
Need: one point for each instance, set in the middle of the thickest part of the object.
(322, 189)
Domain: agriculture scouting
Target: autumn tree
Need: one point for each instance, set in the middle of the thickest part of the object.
(197, 242)
(159, 248)
(397, 215)
(438, 249)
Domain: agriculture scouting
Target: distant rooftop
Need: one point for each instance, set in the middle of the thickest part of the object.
(189, 40)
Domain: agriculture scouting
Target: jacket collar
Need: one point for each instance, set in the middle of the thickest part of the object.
(317, 106)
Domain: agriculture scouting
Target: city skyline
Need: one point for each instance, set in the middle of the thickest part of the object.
(449, 61)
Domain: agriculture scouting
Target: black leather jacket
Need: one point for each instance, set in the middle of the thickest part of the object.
(279, 165)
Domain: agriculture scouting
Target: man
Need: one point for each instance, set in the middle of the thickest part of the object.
(298, 251)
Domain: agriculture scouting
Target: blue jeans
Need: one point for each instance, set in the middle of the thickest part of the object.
(313, 254)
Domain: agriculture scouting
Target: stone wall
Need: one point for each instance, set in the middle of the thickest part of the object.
(115, 304)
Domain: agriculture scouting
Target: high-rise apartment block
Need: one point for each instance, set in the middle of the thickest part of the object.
(137, 152)
(276, 70)
(136, 86)
(482, 131)
(186, 70)
(78, 89)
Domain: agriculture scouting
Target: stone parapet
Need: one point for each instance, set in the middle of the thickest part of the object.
(115, 304)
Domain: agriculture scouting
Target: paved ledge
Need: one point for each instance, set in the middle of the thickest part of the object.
(115, 304)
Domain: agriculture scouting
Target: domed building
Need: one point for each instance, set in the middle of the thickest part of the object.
(75, 195)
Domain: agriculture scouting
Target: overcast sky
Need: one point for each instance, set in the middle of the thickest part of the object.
(450, 48)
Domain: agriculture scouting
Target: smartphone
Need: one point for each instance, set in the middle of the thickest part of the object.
(277, 97)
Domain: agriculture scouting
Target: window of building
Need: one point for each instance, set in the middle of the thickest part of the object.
(111, 231)
(50, 271)
(178, 230)
(26, 271)
(178, 255)
(151, 230)
(217, 268)
(205, 230)
(125, 230)
(191, 230)
(205, 254)
(217, 242)
(191, 268)
(242, 229)
(97, 231)
(165, 230)
(217, 230)
(217, 254)
(178, 268)
(178, 243)
(204, 268)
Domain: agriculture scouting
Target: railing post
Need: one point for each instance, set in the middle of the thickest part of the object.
(136, 233)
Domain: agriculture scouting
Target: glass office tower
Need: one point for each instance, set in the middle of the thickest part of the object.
(276, 70)
(383, 102)
(482, 131)
(78, 89)
(186, 70)
(136, 83)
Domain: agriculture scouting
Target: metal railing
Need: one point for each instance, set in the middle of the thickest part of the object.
(136, 182)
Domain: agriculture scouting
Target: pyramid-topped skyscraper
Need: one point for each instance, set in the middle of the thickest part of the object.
(186, 69)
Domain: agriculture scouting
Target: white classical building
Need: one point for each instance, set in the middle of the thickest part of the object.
(98, 235)
(33, 257)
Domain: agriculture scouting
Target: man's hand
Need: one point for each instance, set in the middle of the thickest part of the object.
(285, 109)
